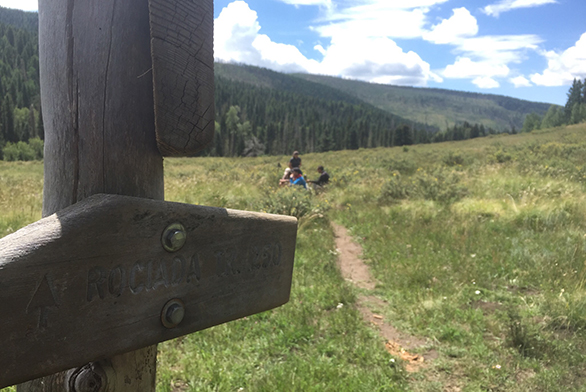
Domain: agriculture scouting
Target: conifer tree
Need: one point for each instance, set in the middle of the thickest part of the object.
(574, 97)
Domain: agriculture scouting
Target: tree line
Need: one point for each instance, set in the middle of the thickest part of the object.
(574, 111)
(254, 120)
(20, 106)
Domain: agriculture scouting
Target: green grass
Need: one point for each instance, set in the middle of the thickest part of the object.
(478, 247)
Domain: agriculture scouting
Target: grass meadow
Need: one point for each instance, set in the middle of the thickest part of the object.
(478, 247)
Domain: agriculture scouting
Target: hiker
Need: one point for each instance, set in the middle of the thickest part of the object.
(295, 161)
(297, 178)
(286, 176)
(323, 179)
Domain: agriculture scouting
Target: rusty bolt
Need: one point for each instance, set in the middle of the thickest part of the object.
(173, 313)
(174, 237)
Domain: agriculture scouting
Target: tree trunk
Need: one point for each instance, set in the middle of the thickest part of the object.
(97, 96)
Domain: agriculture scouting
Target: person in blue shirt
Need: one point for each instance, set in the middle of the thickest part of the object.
(297, 178)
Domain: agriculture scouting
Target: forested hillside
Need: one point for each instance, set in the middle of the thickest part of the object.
(437, 107)
(19, 77)
(261, 111)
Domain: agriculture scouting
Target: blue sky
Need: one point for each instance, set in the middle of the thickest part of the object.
(529, 49)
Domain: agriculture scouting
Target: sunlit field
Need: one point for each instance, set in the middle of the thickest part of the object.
(478, 247)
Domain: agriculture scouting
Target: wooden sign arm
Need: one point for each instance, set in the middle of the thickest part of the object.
(115, 273)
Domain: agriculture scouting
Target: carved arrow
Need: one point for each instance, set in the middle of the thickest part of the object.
(113, 274)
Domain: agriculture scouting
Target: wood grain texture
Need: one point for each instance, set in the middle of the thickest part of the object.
(98, 111)
(183, 74)
(97, 99)
(91, 281)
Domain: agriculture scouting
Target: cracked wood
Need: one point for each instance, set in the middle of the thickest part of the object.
(183, 74)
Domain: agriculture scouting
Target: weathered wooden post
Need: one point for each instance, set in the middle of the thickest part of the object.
(112, 268)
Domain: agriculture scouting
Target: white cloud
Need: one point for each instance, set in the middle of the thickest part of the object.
(378, 60)
(325, 3)
(461, 24)
(563, 67)
(507, 5)
(358, 49)
(486, 82)
(520, 81)
(26, 5)
(320, 49)
(503, 49)
(465, 68)
(237, 39)
(388, 22)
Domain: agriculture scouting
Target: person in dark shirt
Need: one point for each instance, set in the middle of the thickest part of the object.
(295, 161)
(323, 179)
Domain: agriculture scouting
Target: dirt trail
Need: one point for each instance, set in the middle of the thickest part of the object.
(354, 270)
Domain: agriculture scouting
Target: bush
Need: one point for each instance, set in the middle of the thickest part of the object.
(294, 201)
(453, 159)
(21, 151)
(394, 189)
(403, 166)
(38, 147)
(438, 185)
(502, 156)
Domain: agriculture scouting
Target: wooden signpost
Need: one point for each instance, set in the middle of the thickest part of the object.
(111, 267)
(115, 273)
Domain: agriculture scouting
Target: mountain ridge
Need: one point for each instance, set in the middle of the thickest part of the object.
(437, 108)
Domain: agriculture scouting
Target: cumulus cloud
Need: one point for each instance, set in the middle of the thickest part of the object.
(359, 48)
(481, 59)
(508, 5)
(486, 58)
(237, 39)
(465, 68)
(462, 24)
(378, 60)
(563, 67)
(26, 5)
(486, 82)
(520, 81)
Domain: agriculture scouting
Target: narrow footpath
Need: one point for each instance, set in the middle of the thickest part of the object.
(356, 271)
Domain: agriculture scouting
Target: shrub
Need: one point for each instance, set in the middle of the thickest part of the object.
(394, 189)
(22, 151)
(10, 152)
(453, 159)
(440, 185)
(38, 146)
(403, 166)
(294, 201)
(502, 156)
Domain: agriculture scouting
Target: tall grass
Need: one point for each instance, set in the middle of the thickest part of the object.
(478, 247)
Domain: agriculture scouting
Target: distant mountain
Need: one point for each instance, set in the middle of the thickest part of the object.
(259, 111)
(437, 107)
(20, 19)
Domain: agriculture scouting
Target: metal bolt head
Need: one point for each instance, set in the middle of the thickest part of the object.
(173, 313)
(174, 237)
